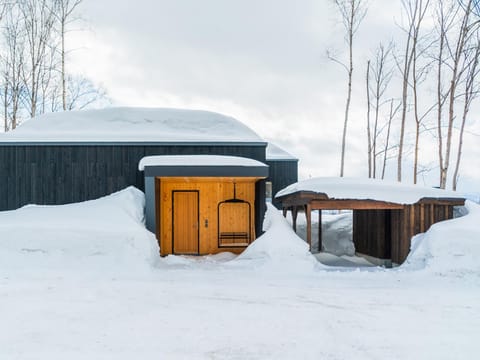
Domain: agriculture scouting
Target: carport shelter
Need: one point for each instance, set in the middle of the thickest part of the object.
(386, 215)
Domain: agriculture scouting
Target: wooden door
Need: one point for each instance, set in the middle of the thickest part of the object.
(185, 236)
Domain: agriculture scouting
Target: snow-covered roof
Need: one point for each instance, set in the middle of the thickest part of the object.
(275, 152)
(367, 189)
(197, 160)
(124, 124)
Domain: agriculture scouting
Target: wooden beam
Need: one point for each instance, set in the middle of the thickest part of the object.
(319, 230)
(294, 218)
(308, 214)
(353, 205)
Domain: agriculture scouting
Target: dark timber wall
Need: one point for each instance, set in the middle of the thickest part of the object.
(386, 234)
(60, 174)
(281, 173)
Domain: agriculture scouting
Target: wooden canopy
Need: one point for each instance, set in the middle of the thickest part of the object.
(381, 229)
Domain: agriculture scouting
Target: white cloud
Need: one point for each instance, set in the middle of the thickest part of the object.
(260, 61)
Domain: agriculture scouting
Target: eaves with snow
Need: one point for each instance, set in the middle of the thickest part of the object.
(345, 188)
(131, 125)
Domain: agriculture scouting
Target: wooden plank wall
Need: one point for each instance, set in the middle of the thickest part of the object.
(212, 192)
(59, 174)
(371, 232)
(386, 234)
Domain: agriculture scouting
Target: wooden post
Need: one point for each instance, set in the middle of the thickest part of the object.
(308, 214)
(319, 230)
(294, 218)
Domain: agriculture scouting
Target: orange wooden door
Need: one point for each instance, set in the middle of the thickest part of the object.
(185, 219)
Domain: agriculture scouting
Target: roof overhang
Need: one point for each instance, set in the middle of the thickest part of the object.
(202, 166)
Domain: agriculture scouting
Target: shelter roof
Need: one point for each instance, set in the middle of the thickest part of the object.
(344, 188)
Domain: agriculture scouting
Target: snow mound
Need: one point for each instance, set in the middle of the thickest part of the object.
(449, 247)
(367, 189)
(107, 232)
(279, 246)
(125, 124)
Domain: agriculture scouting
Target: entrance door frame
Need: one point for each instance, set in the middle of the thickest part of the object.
(198, 220)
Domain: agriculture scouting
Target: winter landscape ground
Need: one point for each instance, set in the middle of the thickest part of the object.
(83, 281)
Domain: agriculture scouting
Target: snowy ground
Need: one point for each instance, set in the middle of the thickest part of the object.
(81, 282)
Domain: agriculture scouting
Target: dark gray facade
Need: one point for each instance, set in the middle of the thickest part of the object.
(281, 174)
(49, 174)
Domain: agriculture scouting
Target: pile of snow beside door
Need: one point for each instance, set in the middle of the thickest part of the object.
(279, 247)
(108, 233)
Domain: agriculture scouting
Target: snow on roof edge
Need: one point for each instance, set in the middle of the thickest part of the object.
(275, 152)
(197, 160)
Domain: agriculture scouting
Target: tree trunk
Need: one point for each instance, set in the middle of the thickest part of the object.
(369, 136)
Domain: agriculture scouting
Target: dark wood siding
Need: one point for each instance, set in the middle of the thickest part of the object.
(371, 232)
(281, 173)
(59, 174)
(387, 234)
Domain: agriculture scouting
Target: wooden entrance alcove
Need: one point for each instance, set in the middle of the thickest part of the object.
(380, 229)
(205, 204)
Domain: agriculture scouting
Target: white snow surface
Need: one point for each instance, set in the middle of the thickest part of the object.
(78, 282)
(197, 160)
(275, 152)
(367, 189)
(108, 233)
(126, 124)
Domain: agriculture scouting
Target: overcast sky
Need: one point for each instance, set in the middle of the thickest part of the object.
(261, 61)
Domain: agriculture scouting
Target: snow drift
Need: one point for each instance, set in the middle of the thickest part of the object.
(107, 232)
(451, 246)
(278, 247)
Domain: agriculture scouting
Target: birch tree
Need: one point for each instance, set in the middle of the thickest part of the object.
(414, 11)
(38, 17)
(381, 75)
(352, 13)
(64, 15)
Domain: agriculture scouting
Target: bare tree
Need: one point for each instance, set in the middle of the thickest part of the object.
(445, 17)
(369, 130)
(38, 17)
(471, 90)
(352, 13)
(457, 68)
(386, 148)
(14, 36)
(415, 11)
(82, 93)
(64, 17)
(381, 75)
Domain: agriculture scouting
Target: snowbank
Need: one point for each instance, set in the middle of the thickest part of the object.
(367, 189)
(107, 232)
(449, 247)
(279, 247)
(124, 124)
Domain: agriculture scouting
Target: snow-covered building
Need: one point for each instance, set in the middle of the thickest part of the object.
(74, 156)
